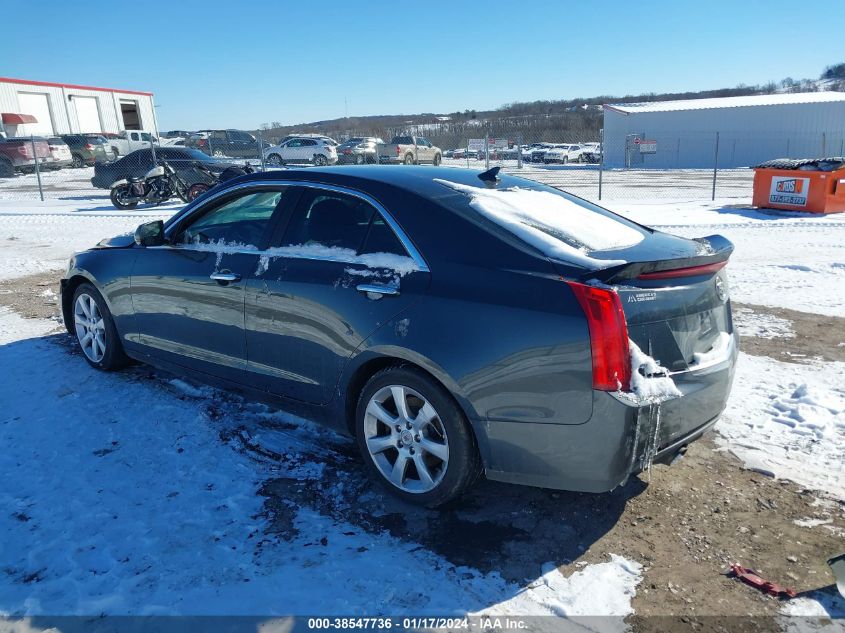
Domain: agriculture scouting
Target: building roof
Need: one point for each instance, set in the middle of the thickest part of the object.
(728, 102)
(29, 82)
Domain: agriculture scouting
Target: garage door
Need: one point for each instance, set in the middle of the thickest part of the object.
(35, 104)
(87, 114)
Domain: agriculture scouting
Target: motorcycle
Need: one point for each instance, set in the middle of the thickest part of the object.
(199, 188)
(158, 185)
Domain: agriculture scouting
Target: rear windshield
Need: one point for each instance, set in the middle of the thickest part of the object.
(557, 224)
(96, 139)
(402, 140)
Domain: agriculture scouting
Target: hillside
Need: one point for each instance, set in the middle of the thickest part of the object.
(565, 120)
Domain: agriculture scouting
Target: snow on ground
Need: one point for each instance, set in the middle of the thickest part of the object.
(130, 496)
(788, 420)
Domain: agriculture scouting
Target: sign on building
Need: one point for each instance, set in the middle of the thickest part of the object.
(647, 146)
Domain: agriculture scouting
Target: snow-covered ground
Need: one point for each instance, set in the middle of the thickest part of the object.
(119, 480)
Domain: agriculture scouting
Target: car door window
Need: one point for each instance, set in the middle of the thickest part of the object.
(326, 218)
(381, 239)
(242, 221)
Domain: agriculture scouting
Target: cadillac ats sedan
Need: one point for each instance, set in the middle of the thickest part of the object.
(455, 323)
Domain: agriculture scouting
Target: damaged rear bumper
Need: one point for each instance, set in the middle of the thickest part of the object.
(620, 438)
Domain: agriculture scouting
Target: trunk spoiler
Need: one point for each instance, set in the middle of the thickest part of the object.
(714, 253)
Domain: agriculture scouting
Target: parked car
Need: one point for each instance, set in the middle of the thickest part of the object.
(410, 150)
(88, 149)
(591, 153)
(563, 153)
(329, 139)
(312, 150)
(177, 134)
(538, 152)
(59, 153)
(19, 155)
(231, 143)
(348, 294)
(359, 150)
(130, 140)
(139, 162)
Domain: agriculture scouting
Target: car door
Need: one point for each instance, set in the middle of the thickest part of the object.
(291, 151)
(424, 153)
(188, 294)
(323, 291)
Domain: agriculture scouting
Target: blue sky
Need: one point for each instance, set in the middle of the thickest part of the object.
(239, 64)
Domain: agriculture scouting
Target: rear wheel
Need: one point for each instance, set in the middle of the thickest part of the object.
(414, 439)
(218, 153)
(359, 159)
(196, 191)
(319, 160)
(95, 330)
(78, 161)
(409, 159)
(120, 198)
(437, 159)
(275, 160)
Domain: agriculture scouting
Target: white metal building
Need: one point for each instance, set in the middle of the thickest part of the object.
(44, 108)
(748, 130)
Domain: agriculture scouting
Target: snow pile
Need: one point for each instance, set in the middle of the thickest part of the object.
(551, 223)
(788, 420)
(650, 383)
(754, 324)
(602, 588)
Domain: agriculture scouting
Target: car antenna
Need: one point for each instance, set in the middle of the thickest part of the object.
(490, 177)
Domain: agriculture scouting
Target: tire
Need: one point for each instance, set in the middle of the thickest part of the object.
(196, 190)
(91, 316)
(117, 201)
(452, 467)
(437, 160)
(409, 159)
(320, 160)
(116, 153)
(7, 170)
(218, 153)
(360, 159)
(275, 160)
(78, 161)
(565, 160)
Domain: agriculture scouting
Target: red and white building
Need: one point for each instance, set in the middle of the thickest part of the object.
(45, 108)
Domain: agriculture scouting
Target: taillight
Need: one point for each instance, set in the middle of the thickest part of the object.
(201, 142)
(398, 150)
(608, 336)
(690, 271)
(89, 147)
(25, 151)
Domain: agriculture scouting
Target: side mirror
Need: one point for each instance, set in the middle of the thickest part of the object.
(150, 234)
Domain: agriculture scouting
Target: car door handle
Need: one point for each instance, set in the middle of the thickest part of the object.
(225, 277)
(377, 289)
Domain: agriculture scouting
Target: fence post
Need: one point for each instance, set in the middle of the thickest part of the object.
(261, 151)
(519, 151)
(37, 168)
(715, 167)
(824, 144)
(487, 150)
(153, 151)
(601, 159)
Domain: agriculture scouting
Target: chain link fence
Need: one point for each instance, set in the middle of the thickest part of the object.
(681, 166)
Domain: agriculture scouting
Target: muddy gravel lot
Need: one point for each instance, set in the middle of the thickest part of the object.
(685, 523)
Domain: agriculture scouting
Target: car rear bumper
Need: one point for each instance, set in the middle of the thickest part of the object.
(621, 437)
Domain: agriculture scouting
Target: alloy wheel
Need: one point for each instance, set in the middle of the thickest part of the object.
(406, 439)
(90, 327)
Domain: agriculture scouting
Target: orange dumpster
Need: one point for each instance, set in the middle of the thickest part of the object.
(813, 185)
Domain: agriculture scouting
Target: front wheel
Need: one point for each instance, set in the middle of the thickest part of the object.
(274, 160)
(95, 330)
(414, 438)
(197, 190)
(437, 160)
(78, 161)
(121, 198)
(359, 159)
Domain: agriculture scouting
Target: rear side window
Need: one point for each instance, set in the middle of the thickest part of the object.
(382, 239)
(330, 219)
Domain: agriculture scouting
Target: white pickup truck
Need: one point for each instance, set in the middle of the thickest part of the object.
(130, 140)
(409, 150)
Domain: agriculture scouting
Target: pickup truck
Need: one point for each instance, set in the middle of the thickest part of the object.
(409, 150)
(16, 154)
(130, 140)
